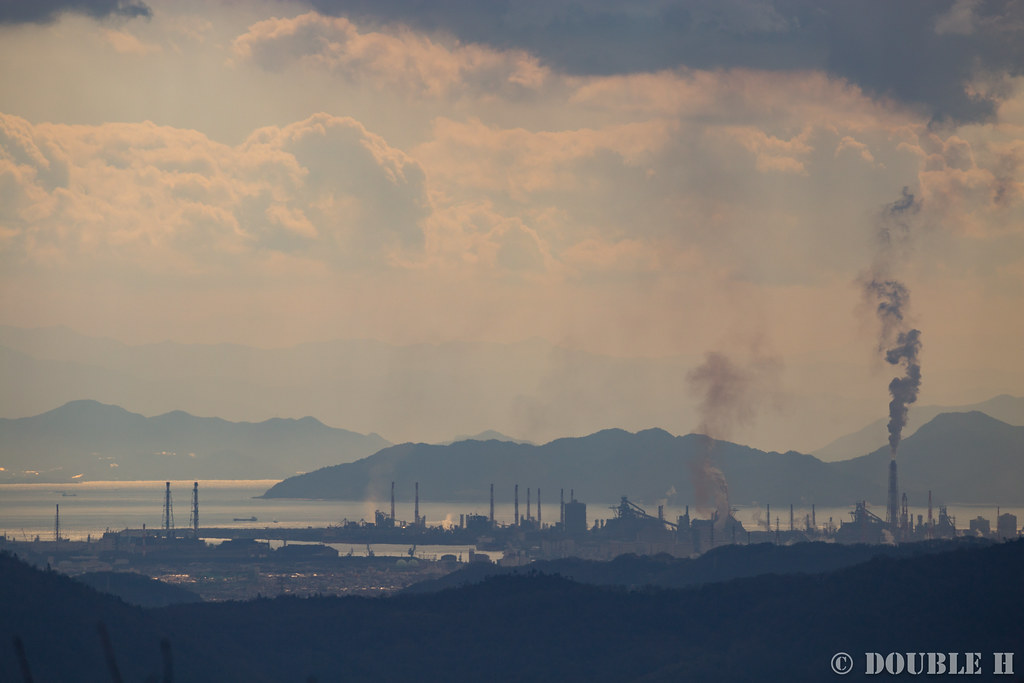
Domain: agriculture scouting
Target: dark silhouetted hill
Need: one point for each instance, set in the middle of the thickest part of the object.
(538, 627)
(962, 457)
(136, 589)
(648, 465)
(720, 564)
(1005, 408)
(104, 442)
(56, 619)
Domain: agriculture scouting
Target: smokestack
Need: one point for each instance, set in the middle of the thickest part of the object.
(416, 511)
(905, 518)
(768, 518)
(528, 517)
(901, 345)
(814, 524)
(517, 505)
(195, 509)
(492, 504)
(892, 513)
(539, 520)
(168, 513)
(929, 513)
(56, 526)
(561, 505)
(392, 502)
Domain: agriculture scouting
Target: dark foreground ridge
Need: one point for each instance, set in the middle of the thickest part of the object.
(536, 627)
(719, 564)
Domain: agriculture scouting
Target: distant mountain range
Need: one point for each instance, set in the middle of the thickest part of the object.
(428, 392)
(1008, 409)
(88, 440)
(486, 435)
(530, 389)
(962, 457)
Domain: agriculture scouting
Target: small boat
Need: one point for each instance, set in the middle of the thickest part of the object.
(245, 519)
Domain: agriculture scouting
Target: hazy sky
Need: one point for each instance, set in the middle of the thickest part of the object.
(645, 178)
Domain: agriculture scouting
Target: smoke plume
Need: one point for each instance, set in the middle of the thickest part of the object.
(891, 298)
(728, 395)
(903, 389)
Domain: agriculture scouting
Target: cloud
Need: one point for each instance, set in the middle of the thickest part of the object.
(322, 189)
(45, 11)
(519, 249)
(853, 146)
(678, 164)
(772, 153)
(959, 20)
(127, 44)
(401, 58)
(522, 163)
(920, 52)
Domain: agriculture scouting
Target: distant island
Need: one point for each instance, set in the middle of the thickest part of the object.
(961, 457)
(89, 440)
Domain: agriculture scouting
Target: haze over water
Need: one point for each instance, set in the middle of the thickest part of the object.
(28, 509)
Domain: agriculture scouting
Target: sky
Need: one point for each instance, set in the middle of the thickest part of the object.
(644, 179)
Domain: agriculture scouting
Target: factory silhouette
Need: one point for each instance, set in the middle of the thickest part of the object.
(568, 531)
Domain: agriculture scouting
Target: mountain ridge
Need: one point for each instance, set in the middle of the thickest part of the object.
(100, 441)
(1004, 407)
(962, 457)
(536, 626)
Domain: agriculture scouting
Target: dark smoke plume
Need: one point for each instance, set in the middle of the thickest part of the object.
(891, 297)
(728, 396)
(903, 389)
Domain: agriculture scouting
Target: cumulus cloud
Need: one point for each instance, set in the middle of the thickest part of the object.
(324, 189)
(772, 153)
(681, 162)
(402, 58)
(918, 51)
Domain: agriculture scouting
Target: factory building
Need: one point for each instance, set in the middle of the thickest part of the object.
(575, 517)
(979, 526)
(1006, 526)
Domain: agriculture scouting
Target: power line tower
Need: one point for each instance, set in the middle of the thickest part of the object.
(194, 517)
(168, 519)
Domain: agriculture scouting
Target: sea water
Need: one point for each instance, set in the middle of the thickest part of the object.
(88, 509)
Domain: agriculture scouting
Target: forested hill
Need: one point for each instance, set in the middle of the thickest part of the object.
(533, 627)
(962, 457)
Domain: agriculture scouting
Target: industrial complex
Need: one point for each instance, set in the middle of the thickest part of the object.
(244, 561)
